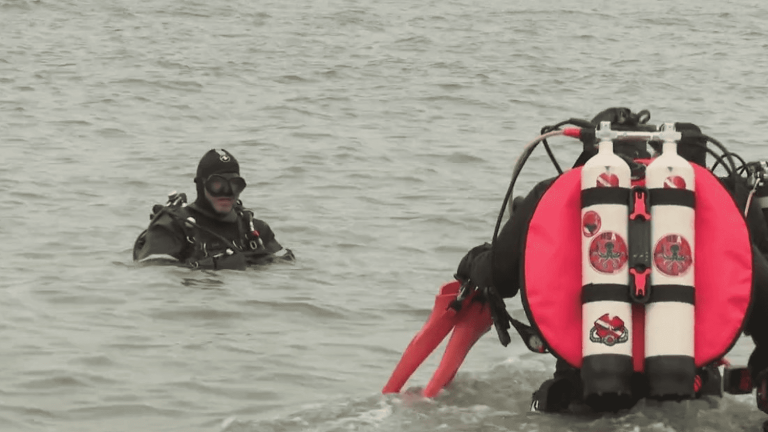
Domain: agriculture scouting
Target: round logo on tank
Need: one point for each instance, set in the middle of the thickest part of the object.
(674, 182)
(590, 223)
(607, 180)
(672, 255)
(608, 253)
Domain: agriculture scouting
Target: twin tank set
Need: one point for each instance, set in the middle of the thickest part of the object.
(644, 243)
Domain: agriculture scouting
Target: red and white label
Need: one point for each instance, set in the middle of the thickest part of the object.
(607, 180)
(674, 182)
(608, 253)
(672, 255)
(590, 223)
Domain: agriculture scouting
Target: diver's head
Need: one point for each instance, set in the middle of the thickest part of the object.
(624, 119)
(631, 149)
(691, 148)
(218, 181)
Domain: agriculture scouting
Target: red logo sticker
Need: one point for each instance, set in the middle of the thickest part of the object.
(590, 223)
(674, 182)
(609, 331)
(672, 255)
(608, 253)
(607, 180)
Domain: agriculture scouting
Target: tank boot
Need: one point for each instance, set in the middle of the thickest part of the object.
(610, 402)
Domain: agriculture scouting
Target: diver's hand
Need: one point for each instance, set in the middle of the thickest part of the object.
(288, 256)
(476, 268)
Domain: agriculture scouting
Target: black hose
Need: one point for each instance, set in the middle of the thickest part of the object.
(515, 174)
(552, 157)
(719, 160)
(728, 155)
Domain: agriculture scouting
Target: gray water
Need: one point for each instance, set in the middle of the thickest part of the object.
(377, 139)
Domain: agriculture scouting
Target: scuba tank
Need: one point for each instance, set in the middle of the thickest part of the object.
(669, 349)
(606, 308)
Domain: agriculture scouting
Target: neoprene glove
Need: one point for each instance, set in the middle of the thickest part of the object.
(476, 267)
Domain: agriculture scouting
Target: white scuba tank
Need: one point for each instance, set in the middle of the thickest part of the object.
(606, 306)
(669, 314)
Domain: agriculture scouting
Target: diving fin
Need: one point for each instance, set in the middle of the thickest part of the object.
(469, 321)
(440, 322)
(473, 322)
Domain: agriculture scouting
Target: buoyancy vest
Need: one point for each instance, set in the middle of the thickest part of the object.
(211, 243)
(551, 276)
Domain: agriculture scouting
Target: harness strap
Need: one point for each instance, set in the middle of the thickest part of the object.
(248, 231)
(502, 319)
(187, 224)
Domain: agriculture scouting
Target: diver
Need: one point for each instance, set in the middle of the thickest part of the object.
(213, 232)
(491, 272)
(496, 272)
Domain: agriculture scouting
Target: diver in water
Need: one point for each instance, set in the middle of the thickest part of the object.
(213, 232)
(495, 271)
(542, 228)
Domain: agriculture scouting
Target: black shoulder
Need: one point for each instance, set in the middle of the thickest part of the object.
(165, 236)
(507, 251)
(267, 235)
(265, 232)
(170, 219)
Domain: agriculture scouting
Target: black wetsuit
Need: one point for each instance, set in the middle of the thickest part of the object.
(210, 241)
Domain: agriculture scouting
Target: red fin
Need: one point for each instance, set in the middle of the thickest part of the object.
(474, 321)
(438, 325)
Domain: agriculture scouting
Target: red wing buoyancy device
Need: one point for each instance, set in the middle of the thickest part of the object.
(664, 282)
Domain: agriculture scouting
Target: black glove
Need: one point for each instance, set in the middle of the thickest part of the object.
(476, 272)
(476, 268)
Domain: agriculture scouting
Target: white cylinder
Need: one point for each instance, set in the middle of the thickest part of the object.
(606, 309)
(669, 315)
